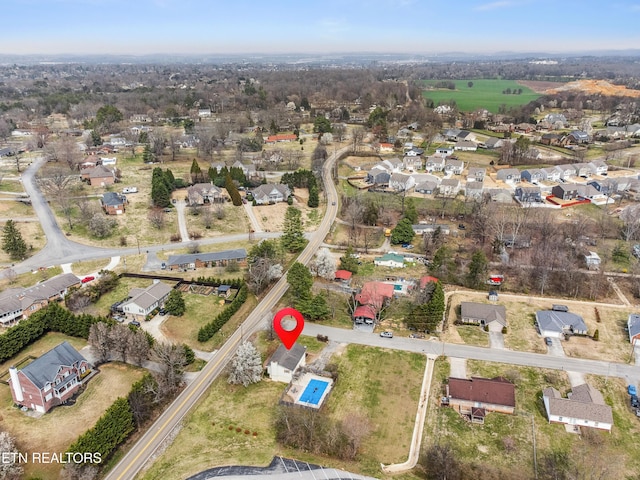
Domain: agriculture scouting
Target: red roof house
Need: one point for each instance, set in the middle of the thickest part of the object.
(343, 275)
(424, 281)
(375, 294)
(487, 395)
(281, 138)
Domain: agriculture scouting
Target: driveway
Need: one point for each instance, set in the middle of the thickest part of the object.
(555, 348)
(182, 221)
(496, 340)
(255, 224)
(457, 367)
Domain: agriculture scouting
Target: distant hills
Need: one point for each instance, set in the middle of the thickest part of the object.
(337, 59)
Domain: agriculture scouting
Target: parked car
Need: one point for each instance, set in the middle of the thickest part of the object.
(386, 334)
(548, 341)
(461, 226)
(162, 311)
(635, 403)
(631, 390)
(88, 279)
(416, 335)
(333, 203)
(163, 266)
(135, 323)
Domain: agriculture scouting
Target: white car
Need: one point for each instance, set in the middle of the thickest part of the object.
(386, 334)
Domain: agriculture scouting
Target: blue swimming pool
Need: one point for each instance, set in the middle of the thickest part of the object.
(313, 393)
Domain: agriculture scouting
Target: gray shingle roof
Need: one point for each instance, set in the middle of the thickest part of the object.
(149, 295)
(237, 254)
(483, 311)
(288, 359)
(586, 403)
(44, 369)
(559, 321)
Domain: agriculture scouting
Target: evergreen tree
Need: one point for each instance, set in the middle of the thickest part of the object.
(410, 211)
(300, 281)
(147, 156)
(160, 194)
(169, 180)
(292, 239)
(175, 303)
(12, 241)
(196, 172)
(427, 316)
(232, 190)
(477, 269)
(313, 307)
(348, 261)
(95, 138)
(403, 232)
(314, 199)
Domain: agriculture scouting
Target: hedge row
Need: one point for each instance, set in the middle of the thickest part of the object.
(53, 318)
(234, 282)
(211, 328)
(110, 430)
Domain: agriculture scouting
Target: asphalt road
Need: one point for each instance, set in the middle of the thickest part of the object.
(257, 320)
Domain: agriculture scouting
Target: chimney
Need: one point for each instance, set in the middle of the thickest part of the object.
(15, 384)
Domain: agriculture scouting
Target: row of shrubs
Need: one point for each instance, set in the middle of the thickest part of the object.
(211, 328)
(53, 318)
(234, 282)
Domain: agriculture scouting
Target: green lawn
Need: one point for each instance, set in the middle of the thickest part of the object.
(485, 93)
(380, 384)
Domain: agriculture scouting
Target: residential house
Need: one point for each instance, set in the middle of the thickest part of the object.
(204, 112)
(412, 163)
(554, 323)
(453, 165)
(566, 191)
(449, 186)
(552, 174)
(509, 175)
(378, 176)
(524, 128)
(592, 259)
(364, 314)
(493, 143)
(451, 134)
(392, 164)
(108, 161)
(565, 171)
(414, 152)
(113, 203)
(604, 187)
(284, 363)
(98, 176)
(386, 147)
(270, 193)
(193, 261)
(465, 135)
(533, 175)
(117, 142)
(582, 169)
(517, 241)
(19, 303)
(401, 182)
(391, 260)
(476, 174)
(483, 314)
(426, 280)
(444, 151)
(201, 193)
(528, 194)
(427, 228)
(576, 137)
(633, 327)
(500, 195)
(218, 166)
(476, 397)
(50, 380)
(465, 146)
(551, 139)
(142, 301)
(474, 190)
(426, 188)
(434, 164)
(555, 121)
(375, 296)
(598, 167)
(281, 138)
(343, 276)
(584, 407)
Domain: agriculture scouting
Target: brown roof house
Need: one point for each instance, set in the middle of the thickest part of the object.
(583, 407)
(495, 316)
(98, 176)
(479, 396)
(202, 193)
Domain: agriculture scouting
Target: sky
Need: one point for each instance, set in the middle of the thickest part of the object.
(141, 27)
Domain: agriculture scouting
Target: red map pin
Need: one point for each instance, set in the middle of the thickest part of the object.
(288, 337)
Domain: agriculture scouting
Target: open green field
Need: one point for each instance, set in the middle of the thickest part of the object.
(381, 384)
(485, 93)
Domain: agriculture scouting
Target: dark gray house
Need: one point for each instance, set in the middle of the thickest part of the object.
(528, 194)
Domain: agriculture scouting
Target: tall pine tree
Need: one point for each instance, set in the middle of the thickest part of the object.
(292, 239)
(232, 190)
(12, 241)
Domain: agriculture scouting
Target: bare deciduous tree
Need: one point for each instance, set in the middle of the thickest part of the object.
(157, 218)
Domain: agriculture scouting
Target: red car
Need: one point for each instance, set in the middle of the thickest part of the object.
(88, 279)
